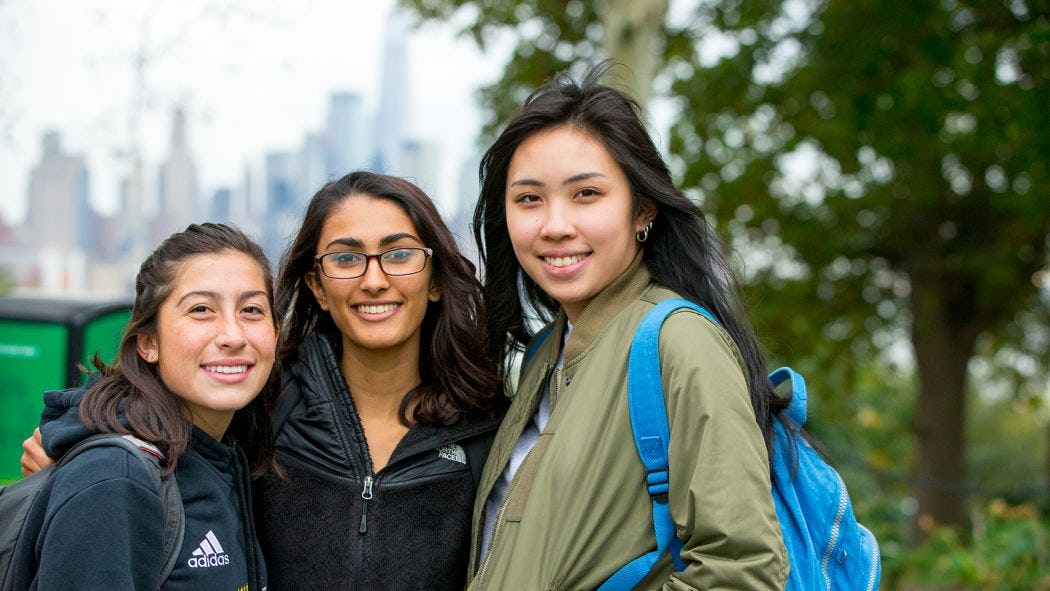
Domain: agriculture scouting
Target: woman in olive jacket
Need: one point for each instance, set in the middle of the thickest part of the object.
(578, 207)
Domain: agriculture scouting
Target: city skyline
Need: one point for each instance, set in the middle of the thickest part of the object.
(227, 148)
(83, 248)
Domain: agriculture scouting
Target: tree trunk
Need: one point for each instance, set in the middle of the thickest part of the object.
(632, 32)
(943, 337)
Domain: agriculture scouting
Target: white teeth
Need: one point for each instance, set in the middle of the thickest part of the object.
(563, 261)
(380, 309)
(227, 368)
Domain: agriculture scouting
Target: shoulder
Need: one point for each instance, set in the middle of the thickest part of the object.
(102, 463)
(102, 472)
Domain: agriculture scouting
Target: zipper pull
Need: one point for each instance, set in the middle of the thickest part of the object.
(366, 494)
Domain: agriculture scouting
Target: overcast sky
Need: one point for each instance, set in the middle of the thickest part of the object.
(254, 77)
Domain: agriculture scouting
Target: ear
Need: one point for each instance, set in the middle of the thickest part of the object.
(314, 283)
(147, 347)
(435, 291)
(647, 210)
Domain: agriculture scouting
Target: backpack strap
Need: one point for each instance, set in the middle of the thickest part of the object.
(171, 499)
(645, 399)
(537, 341)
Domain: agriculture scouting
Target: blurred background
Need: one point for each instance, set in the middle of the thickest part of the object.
(880, 171)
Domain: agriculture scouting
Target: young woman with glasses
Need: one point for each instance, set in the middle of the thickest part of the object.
(389, 401)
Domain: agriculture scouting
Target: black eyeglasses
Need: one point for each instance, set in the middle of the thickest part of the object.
(347, 264)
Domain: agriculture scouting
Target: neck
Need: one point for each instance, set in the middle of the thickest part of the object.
(379, 378)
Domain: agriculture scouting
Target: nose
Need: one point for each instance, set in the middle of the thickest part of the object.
(231, 333)
(558, 223)
(374, 280)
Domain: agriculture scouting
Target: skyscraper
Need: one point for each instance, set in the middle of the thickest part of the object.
(59, 220)
(393, 96)
(59, 213)
(178, 201)
(345, 135)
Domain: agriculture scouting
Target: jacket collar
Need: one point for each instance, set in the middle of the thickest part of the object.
(601, 310)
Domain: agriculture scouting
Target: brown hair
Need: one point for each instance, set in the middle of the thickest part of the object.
(132, 388)
(457, 375)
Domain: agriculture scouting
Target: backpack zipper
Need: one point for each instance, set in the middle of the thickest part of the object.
(836, 525)
(874, 563)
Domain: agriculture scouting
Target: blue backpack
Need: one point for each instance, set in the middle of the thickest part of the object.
(827, 549)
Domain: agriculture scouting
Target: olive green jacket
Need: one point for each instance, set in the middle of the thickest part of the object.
(577, 509)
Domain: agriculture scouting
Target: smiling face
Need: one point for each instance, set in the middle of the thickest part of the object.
(215, 337)
(570, 215)
(375, 311)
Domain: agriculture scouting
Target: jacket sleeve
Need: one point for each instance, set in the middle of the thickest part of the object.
(720, 497)
(104, 526)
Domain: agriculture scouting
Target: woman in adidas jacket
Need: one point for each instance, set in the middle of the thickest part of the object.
(578, 206)
(195, 355)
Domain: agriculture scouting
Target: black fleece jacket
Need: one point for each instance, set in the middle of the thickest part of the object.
(102, 525)
(336, 524)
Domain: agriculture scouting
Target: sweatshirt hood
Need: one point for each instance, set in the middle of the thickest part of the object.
(60, 423)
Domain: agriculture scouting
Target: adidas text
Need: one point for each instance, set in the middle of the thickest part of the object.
(208, 553)
(205, 561)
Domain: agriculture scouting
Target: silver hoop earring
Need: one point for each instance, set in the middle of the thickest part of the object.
(643, 235)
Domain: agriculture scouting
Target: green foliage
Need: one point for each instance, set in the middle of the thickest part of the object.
(1007, 551)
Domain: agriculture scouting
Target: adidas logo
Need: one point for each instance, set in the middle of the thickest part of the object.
(209, 553)
(454, 452)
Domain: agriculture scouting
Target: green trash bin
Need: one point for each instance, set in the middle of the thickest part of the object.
(42, 342)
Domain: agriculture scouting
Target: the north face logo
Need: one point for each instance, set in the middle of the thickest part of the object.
(454, 452)
(208, 553)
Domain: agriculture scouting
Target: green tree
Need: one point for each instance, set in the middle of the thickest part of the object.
(883, 166)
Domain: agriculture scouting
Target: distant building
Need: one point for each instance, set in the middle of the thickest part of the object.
(178, 198)
(346, 137)
(221, 205)
(282, 201)
(420, 163)
(59, 224)
(393, 95)
(59, 215)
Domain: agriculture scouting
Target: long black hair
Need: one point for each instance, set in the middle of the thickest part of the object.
(457, 376)
(682, 252)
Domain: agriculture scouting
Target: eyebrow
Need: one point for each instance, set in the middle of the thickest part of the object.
(211, 295)
(573, 179)
(384, 241)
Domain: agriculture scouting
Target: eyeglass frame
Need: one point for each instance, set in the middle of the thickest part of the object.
(428, 253)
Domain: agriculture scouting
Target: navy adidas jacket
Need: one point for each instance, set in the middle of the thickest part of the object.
(102, 526)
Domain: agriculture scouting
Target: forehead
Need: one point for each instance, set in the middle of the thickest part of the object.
(560, 150)
(367, 219)
(226, 272)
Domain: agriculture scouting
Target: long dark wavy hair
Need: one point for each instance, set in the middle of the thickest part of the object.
(682, 252)
(133, 388)
(457, 376)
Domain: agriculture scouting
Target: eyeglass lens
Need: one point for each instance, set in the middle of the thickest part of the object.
(398, 261)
